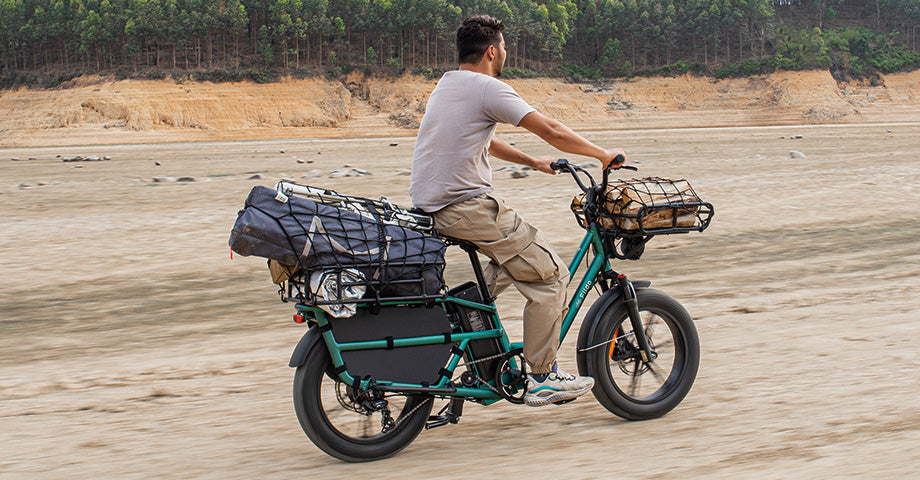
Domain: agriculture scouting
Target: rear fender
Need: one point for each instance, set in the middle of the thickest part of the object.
(586, 332)
(304, 346)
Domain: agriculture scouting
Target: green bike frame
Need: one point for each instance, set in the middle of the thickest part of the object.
(486, 394)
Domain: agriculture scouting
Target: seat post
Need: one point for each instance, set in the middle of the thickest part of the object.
(471, 249)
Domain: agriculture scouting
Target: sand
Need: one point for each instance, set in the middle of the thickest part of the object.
(132, 346)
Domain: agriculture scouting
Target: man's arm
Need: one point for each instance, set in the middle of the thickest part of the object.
(563, 138)
(504, 151)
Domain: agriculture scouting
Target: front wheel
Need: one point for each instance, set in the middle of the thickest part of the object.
(349, 425)
(624, 383)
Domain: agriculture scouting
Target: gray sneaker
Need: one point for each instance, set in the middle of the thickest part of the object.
(558, 386)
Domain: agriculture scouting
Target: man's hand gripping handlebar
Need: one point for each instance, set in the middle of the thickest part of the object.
(564, 165)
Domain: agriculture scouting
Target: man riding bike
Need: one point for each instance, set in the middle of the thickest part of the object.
(452, 180)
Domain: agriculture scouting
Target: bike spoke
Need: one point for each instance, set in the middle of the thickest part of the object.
(649, 320)
(649, 328)
(365, 426)
(655, 373)
(634, 383)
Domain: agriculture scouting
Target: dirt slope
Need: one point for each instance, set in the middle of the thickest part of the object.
(94, 110)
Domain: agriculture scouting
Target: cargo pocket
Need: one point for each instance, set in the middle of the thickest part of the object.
(533, 264)
(449, 223)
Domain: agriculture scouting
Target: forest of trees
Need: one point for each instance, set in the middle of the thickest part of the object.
(583, 37)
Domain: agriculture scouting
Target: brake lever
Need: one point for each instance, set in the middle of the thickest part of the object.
(564, 165)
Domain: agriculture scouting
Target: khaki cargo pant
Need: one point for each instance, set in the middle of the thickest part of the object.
(520, 255)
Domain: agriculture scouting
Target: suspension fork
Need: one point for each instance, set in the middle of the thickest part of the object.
(632, 308)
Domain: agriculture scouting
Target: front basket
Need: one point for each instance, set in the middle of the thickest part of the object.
(647, 206)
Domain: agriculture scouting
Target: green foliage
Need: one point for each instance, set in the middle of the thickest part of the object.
(260, 76)
(895, 58)
(577, 73)
(578, 39)
(430, 73)
(264, 46)
(858, 51)
(56, 79)
(677, 69)
(802, 49)
(613, 59)
(751, 66)
(518, 73)
(18, 79)
(222, 75)
(395, 66)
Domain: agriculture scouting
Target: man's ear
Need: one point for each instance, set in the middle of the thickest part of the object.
(490, 53)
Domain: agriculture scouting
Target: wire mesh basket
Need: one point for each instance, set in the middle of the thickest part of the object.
(646, 206)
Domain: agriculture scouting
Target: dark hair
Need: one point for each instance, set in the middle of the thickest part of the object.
(475, 35)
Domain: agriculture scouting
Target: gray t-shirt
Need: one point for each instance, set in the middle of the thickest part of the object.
(451, 161)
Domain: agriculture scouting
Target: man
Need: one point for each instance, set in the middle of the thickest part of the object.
(452, 180)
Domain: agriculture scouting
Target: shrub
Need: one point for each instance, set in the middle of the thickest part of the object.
(518, 73)
(429, 73)
(677, 69)
(751, 66)
(577, 73)
(395, 66)
(259, 76)
(801, 49)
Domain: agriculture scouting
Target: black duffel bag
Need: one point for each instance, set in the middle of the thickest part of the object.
(309, 236)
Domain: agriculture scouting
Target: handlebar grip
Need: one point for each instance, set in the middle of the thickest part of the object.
(616, 161)
(559, 164)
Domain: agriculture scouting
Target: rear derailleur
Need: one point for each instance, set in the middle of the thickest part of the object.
(366, 402)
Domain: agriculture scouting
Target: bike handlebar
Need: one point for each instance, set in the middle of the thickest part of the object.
(563, 164)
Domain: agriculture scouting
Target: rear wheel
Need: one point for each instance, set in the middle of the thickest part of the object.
(624, 383)
(350, 426)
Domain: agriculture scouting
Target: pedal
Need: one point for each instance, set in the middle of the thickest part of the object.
(563, 402)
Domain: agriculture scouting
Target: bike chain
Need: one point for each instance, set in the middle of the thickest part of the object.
(404, 417)
(481, 380)
(431, 398)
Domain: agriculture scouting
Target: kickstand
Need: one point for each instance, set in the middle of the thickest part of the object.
(449, 414)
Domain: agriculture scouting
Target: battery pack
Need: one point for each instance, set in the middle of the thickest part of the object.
(473, 320)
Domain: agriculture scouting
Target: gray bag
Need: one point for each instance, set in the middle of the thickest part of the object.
(308, 236)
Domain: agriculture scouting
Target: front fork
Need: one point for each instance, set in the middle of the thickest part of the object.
(632, 308)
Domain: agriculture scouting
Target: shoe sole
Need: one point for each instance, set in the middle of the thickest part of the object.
(561, 395)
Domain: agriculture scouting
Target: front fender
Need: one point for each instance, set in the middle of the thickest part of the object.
(586, 332)
(299, 356)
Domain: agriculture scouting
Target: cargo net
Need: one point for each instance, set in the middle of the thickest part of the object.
(363, 250)
(380, 208)
(647, 206)
(337, 251)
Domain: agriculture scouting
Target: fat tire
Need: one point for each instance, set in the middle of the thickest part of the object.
(308, 405)
(685, 364)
